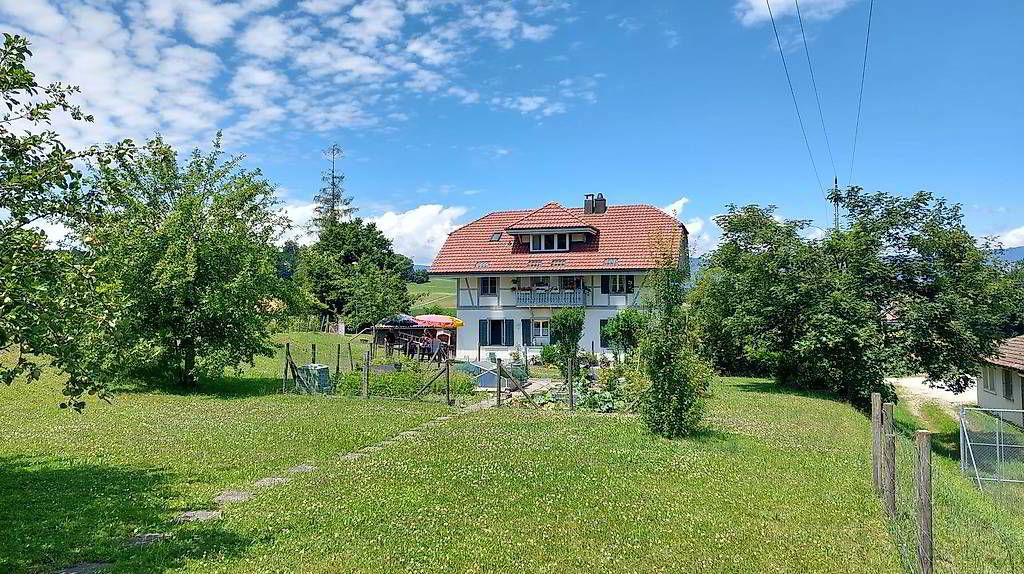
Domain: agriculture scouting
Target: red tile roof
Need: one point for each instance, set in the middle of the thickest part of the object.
(1010, 355)
(551, 216)
(629, 237)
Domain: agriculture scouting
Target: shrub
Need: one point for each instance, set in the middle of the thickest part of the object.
(674, 405)
(404, 382)
(549, 355)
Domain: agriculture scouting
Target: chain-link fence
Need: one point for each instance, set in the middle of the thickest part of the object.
(992, 446)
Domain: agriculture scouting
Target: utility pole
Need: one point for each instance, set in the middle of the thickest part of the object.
(833, 196)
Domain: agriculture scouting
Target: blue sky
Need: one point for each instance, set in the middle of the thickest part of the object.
(448, 109)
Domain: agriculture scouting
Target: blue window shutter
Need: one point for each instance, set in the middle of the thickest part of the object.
(509, 333)
(527, 332)
(483, 332)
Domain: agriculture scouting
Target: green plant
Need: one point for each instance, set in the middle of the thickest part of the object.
(549, 355)
(189, 251)
(566, 331)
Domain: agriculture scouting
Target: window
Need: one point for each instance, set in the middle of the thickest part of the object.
(496, 236)
(540, 281)
(540, 329)
(988, 379)
(488, 286)
(549, 242)
(496, 332)
(616, 284)
(1007, 383)
(571, 282)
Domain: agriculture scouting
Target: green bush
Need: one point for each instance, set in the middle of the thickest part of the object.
(549, 355)
(674, 405)
(410, 377)
(618, 389)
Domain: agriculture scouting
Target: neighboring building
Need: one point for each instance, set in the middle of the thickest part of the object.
(999, 386)
(513, 269)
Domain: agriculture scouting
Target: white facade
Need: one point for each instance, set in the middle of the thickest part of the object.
(527, 301)
(1000, 388)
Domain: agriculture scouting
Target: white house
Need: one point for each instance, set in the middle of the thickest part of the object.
(999, 385)
(513, 269)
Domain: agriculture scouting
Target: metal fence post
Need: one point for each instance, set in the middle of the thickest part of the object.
(963, 438)
(337, 360)
(999, 444)
(314, 354)
(923, 478)
(888, 460)
(497, 386)
(366, 375)
(876, 441)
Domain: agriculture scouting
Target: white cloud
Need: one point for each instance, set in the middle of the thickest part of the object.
(754, 12)
(267, 37)
(419, 232)
(300, 214)
(1013, 238)
(323, 7)
(675, 208)
(465, 96)
(184, 68)
(537, 33)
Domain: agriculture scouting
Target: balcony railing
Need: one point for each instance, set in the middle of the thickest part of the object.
(550, 298)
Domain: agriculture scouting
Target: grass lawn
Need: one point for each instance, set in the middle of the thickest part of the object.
(781, 485)
(434, 292)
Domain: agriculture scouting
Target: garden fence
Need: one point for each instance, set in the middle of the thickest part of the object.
(992, 447)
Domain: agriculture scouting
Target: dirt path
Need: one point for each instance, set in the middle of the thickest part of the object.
(916, 392)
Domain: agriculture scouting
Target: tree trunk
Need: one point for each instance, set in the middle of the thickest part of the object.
(188, 371)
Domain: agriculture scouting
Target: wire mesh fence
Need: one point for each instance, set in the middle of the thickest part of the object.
(992, 447)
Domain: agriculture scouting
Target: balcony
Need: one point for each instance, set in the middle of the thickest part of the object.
(550, 298)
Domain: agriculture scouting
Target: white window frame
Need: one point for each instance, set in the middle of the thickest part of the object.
(541, 329)
(988, 380)
(617, 285)
(496, 286)
(560, 242)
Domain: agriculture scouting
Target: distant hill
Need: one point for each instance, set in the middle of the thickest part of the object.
(418, 267)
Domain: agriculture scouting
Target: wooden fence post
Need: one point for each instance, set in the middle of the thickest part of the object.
(497, 386)
(888, 460)
(314, 354)
(351, 357)
(366, 375)
(448, 381)
(923, 478)
(287, 357)
(572, 385)
(337, 360)
(876, 441)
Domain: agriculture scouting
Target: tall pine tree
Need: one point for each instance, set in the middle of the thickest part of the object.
(333, 206)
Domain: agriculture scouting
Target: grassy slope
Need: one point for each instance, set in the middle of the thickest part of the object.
(782, 487)
(434, 292)
(73, 487)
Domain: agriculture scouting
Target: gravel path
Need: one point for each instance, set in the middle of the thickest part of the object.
(915, 391)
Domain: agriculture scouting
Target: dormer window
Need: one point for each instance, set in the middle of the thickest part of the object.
(549, 242)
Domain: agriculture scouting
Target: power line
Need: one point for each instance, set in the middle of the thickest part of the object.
(792, 92)
(860, 97)
(814, 83)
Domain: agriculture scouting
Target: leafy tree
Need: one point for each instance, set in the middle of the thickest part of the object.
(566, 332)
(374, 293)
(49, 300)
(675, 403)
(625, 330)
(288, 259)
(903, 286)
(330, 267)
(418, 276)
(333, 206)
(189, 247)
